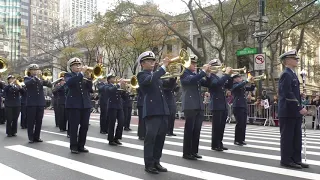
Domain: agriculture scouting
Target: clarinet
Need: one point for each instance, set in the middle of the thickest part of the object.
(303, 75)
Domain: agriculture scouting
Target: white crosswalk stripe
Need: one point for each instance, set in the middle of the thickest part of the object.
(259, 159)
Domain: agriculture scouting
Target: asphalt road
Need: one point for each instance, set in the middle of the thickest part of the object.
(259, 160)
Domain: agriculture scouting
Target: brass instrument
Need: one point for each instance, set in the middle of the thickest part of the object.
(20, 81)
(215, 69)
(27, 73)
(259, 78)
(96, 72)
(240, 70)
(46, 74)
(133, 82)
(178, 65)
(61, 76)
(3, 65)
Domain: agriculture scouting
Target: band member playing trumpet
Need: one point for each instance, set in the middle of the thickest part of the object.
(103, 101)
(218, 106)
(35, 102)
(141, 124)
(59, 90)
(23, 117)
(240, 106)
(78, 103)
(12, 105)
(127, 108)
(193, 108)
(115, 110)
(155, 111)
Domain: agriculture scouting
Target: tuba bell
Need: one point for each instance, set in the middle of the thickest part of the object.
(178, 65)
(3, 65)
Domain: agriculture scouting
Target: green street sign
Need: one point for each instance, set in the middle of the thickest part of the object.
(246, 51)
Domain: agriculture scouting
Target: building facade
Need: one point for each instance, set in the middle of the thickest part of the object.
(44, 20)
(76, 13)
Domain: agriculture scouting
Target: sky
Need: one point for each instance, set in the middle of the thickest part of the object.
(168, 6)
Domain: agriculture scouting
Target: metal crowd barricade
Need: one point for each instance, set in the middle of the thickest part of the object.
(313, 112)
(207, 112)
(230, 114)
(258, 113)
(179, 112)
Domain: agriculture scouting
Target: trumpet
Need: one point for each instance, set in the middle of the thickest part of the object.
(20, 81)
(3, 65)
(177, 65)
(258, 78)
(240, 70)
(27, 73)
(96, 72)
(133, 82)
(215, 69)
(46, 74)
(61, 76)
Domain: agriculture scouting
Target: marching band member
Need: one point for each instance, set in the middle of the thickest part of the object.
(23, 117)
(103, 101)
(218, 106)
(155, 111)
(12, 105)
(60, 95)
(35, 102)
(127, 108)
(78, 104)
(2, 111)
(290, 113)
(141, 124)
(55, 107)
(115, 111)
(240, 107)
(193, 108)
(169, 86)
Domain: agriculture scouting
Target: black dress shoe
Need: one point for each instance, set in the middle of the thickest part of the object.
(224, 148)
(74, 151)
(151, 170)
(31, 141)
(14, 135)
(117, 142)
(9, 135)
(68, 136)
(291, 165)
(173, 134)
(244, 143)
(196, 155)
(238, 143)
(160, 168)
(38, 140)
(189, 157)
(112, 143)
(217, 149)
(84, 150)
(169, 135)
(303, 165)
(126, 129)
(23, 128)
(141, 138)
(102, 132)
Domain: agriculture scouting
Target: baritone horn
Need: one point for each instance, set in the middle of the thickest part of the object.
(178, 65)
(3, 65)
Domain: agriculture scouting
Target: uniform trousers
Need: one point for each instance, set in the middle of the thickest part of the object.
(56, 110)
(171, 119)
(62, 117)
(156, 128)
(291, 139)
(103, 118)
(240, 115)
(2, 116)
(34, 119)
(78, 117)
(115, 114)
(218, 124)
(127, 111)
(23, 117)
(141, 125)
(12, 114)
(192, 128)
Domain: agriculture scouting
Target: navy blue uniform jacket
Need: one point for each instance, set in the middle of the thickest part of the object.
(60, 93)
(154, 102)
(289, 95)
(12, 96)
(238, 92)
(115, 97)
(191, 90)
(35, 94)
(169, 85)
(103, 94)
(78, 91)
(139, 98)
(218, 92)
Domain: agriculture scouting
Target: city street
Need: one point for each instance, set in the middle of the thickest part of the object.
(52, 160)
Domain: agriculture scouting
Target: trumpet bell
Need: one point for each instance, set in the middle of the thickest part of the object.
(46, 74)
(133, 81)
(20, 81)
(97, 71)
(183, 59)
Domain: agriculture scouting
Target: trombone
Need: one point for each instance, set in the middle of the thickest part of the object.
(177, 65)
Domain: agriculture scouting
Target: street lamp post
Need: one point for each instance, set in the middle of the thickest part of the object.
(303, 74)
